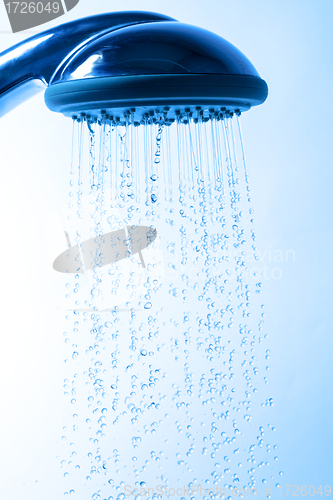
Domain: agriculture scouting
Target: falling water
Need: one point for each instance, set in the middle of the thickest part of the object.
(167, 357)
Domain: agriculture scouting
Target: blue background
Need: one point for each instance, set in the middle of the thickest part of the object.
(289, 148)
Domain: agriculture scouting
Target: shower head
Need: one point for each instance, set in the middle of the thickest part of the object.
(141, 66)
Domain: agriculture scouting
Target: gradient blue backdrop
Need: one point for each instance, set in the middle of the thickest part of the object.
(289, 149)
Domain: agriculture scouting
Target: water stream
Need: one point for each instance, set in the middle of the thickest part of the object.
(167, 355)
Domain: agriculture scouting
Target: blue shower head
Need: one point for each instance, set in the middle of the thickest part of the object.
(142, 65)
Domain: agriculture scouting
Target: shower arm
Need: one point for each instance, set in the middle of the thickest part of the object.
(26, 68)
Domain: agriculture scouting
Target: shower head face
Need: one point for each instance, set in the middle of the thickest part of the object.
(167, 65)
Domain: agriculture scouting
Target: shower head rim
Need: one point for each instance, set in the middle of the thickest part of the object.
(120, 93)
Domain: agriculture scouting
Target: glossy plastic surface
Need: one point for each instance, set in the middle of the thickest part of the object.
(156, 48)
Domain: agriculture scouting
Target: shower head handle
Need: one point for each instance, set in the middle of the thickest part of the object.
(27, 67)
